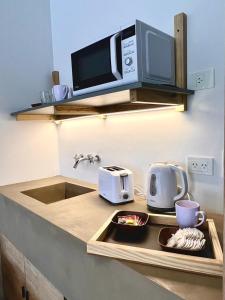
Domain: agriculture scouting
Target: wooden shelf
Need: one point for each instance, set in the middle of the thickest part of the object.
(134, 96)
(137, 96)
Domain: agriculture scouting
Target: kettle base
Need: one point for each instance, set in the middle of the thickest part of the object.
(115, 203)
(160, 210)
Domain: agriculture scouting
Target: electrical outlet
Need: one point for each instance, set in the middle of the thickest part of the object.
(202, 80)
(200, 165)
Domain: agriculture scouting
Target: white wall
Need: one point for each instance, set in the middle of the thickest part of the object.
(137, 139)
(28, 150)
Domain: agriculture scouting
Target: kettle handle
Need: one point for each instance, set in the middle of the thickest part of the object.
(184, 182)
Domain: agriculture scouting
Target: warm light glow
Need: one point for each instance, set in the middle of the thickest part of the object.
(57, 122)
(104, 116)
(156, 103)
(180, 108)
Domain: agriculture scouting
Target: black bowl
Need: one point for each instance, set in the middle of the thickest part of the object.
(165, 233)
(130, 229)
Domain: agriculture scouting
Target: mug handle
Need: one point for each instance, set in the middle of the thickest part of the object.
(66, 92)
(203, 214)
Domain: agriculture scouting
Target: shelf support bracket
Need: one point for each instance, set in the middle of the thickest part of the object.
(180, 34)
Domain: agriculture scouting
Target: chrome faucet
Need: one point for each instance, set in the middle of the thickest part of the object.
(78, 158)
(92, 158)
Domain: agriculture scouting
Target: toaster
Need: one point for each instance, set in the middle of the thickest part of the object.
(115, 184)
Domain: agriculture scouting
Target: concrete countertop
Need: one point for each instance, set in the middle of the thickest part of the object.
(82, 216)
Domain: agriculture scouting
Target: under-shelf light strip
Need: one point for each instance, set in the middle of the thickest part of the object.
(104, 116)
(157, 103)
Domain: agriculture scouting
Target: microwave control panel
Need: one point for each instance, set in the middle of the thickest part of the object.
(129, 57)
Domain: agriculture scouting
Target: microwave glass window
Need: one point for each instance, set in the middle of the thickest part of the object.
(94, 63)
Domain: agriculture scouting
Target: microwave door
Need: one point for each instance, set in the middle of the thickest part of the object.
(98, 63)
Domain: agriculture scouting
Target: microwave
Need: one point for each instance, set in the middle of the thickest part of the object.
(137, 52)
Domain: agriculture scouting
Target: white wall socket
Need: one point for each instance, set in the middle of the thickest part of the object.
(202, 80)
(202, 165)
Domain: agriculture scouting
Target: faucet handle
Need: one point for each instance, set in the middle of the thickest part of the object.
(78, 156)
(90, 157)
(93, 157)
(97, 158)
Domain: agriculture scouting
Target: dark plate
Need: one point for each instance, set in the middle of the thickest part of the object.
(165, 233)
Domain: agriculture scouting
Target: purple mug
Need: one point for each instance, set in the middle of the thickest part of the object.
(187, 213)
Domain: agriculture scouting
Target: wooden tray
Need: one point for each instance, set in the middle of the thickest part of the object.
(110, 242)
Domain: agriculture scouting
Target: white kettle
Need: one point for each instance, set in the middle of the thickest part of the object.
(162, 188)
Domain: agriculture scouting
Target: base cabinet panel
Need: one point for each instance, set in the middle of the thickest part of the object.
(13, 272)
(38, 287)
(21, 280)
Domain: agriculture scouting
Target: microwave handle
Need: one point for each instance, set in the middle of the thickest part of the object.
(113, 56)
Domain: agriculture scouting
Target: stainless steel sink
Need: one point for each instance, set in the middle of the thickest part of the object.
(57, 192)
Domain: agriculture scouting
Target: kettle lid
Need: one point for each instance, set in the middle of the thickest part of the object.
(159, 165)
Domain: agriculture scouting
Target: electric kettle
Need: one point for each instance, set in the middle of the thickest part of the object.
(162, 188)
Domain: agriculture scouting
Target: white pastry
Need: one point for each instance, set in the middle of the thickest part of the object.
(171, 242)
(187, 238)
(181, 242)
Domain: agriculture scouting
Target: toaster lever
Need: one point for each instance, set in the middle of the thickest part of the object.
(124, 193)
(123, 175)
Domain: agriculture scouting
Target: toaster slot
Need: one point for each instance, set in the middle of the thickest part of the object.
(110, 169)
(117, 168)
(113, 168)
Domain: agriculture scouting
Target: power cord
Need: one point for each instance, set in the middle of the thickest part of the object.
(138, 190)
